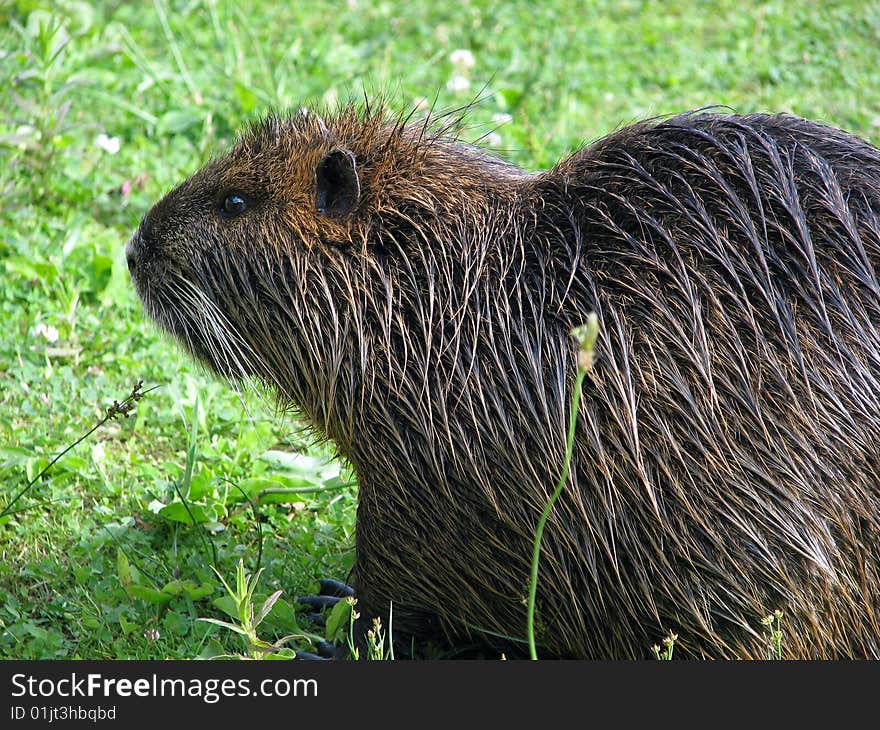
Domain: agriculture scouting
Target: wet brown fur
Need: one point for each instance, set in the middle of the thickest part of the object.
(727, 459)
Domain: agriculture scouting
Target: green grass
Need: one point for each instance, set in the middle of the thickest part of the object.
(92, 564)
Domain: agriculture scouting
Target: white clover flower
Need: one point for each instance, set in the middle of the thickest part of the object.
(458, 83)
(493, 139)
(50, 332)
(110, 145)
(463, 58)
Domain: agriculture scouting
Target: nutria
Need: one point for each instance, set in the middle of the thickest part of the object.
(412, 297)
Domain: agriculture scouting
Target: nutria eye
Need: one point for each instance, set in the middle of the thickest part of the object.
(233, 205)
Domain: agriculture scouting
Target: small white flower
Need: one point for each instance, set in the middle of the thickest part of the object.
(493, 139)
(110, 145)
(463, 58)
(155, 506)
(458, 83)
(50, 332)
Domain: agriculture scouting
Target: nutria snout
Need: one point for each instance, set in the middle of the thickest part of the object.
(412, 296)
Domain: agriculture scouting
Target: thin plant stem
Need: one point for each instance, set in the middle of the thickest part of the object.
(539, 531)
(585, 336)
(112, 412)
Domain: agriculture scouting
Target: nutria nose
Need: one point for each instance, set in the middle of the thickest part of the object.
(131, 251)
(137, 244)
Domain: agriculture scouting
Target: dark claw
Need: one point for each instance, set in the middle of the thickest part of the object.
(319, 601)
(330, 587)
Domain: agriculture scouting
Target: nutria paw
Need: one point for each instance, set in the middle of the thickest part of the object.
(330, 592)
(325, 650)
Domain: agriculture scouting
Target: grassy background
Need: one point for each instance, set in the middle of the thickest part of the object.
(169, 83)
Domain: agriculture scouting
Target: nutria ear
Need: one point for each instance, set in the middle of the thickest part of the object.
(338, 187)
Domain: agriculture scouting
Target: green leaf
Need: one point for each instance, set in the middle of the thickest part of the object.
(246, 98)
(130, 579)
(225, 625)
(178, 512)
(128, 627)
(150, 595)
(282, 617)
(337, 621)
(118, 286)
(35, 466)
(175, 122)
(212, 650)
(188, 588)
(14, 455)
(199, 486)
(30, 269)
(285, 654)
(227, 605)
(127, 573)
(196, 592)
(266, 607)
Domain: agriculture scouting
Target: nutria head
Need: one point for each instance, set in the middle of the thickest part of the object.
(266, 262)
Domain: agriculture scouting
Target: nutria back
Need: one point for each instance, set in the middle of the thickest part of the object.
(412, 297)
